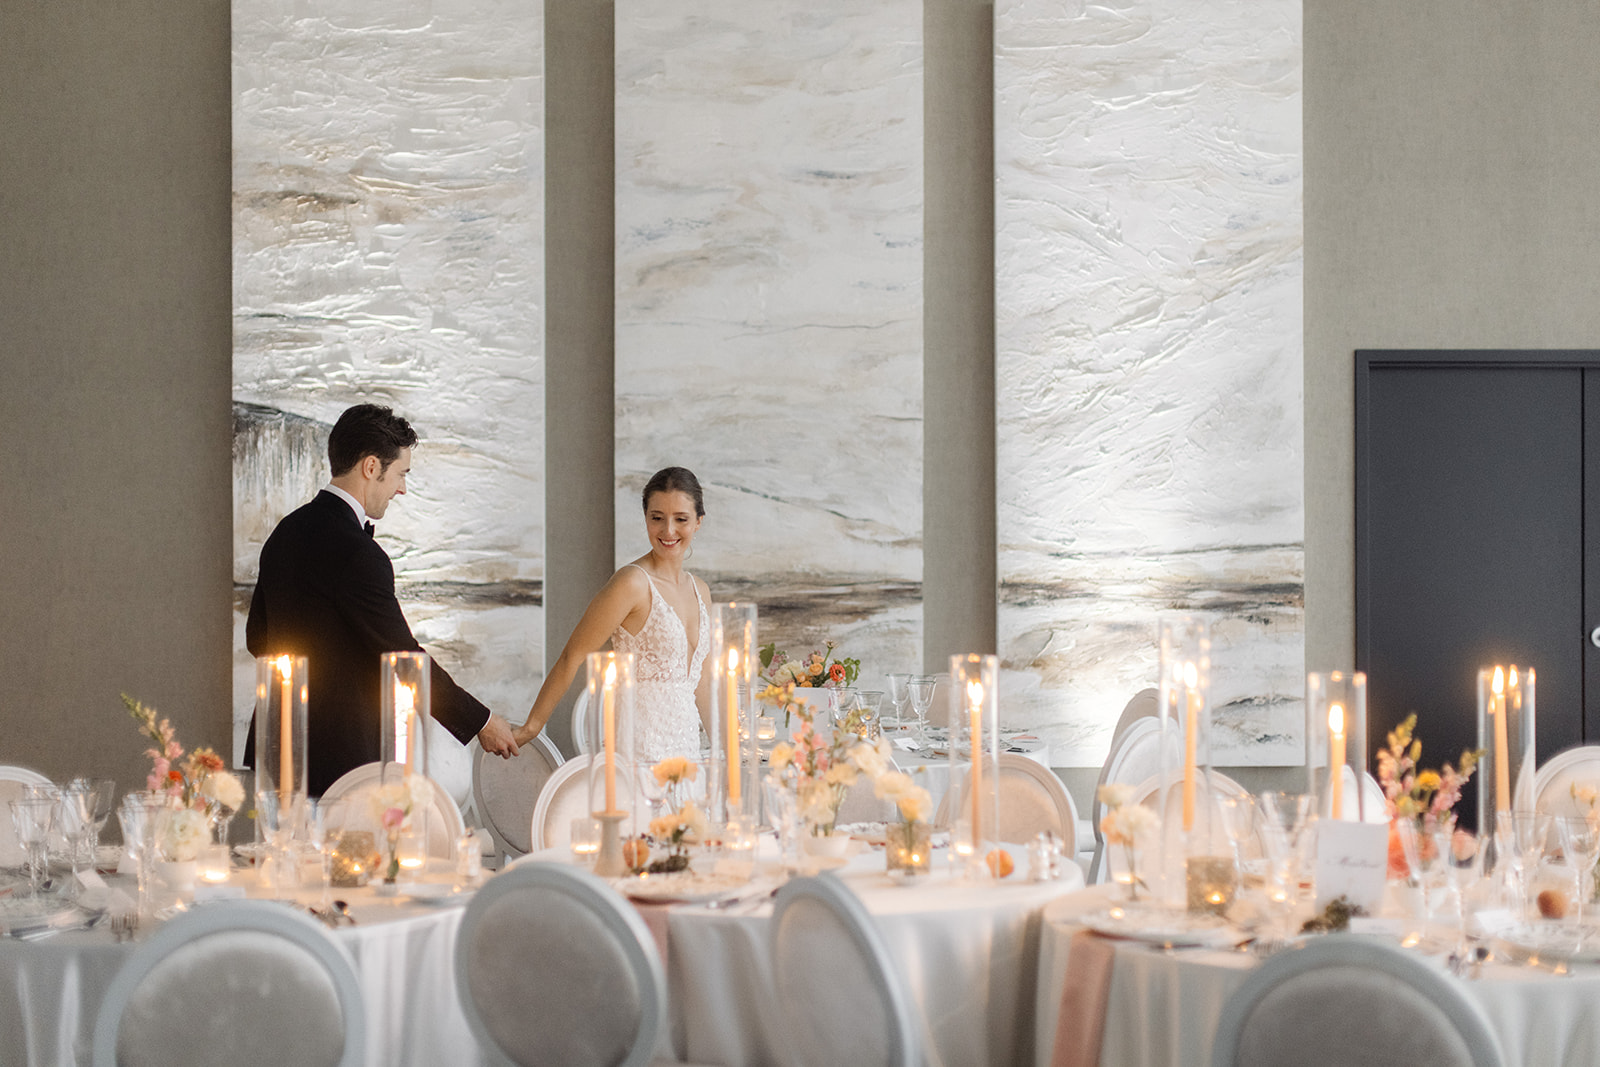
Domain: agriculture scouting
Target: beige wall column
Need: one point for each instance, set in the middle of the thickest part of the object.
(114, 380)
(579, 322)
(1450, 202)
(958, 485)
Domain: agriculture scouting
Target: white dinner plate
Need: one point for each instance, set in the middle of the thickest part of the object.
(439, 893)
(1557, 940)
(1160, 926)
(687, 887)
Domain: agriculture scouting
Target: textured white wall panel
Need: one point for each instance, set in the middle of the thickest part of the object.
(388, 246)
(769, 317)
(1149, 267)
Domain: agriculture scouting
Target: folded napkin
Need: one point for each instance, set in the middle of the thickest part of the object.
(1081, 1024)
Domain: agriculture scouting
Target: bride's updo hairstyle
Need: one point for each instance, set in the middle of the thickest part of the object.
(675, 480)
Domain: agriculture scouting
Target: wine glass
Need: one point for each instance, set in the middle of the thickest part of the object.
(1283, 823)
(138, 813)
(920, 690)
(1461, 859)
(1239, 820)
(75, 818)
(1530, 833)
(103, 794)
(900, 696)
(1580, 841)
(32, 817)
(870, 702)
(1422, 858)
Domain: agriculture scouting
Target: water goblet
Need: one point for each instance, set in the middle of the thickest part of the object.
(900, 697)
(1422, 858)
(920, 690)
(844, 702)
(1283, 818)
(32, 817)
(1461, 859)
(103, 792)
(870, 704)
(277, 814)
(138, 814)
(1530, 835)
(75, 818)
(1239, 820)
(1580, 842)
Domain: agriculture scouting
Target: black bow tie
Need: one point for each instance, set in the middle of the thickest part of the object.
(369, 528)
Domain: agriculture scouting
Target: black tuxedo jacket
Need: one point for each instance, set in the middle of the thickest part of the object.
(326, 591)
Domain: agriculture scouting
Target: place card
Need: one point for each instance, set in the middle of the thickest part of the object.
(1352, 861)
(89, 879)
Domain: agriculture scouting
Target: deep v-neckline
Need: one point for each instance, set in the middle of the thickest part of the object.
(690, 647)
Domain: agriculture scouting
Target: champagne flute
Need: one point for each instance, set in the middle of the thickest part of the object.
(1283, 823)
(920, 689)
(1461, 857)
(1422, 857)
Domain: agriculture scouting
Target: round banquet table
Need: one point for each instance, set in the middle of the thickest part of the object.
(1163, 1006)
(967, 951)
(403, 952)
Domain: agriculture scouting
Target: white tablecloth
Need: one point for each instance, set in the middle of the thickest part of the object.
(1164, 1007)
(966, 951)
(403, 953)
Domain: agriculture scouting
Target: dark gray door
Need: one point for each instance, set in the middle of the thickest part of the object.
(1470, 511)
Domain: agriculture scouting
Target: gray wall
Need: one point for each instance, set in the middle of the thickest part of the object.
(115, 370)
(1451, 165)
(1449, 155)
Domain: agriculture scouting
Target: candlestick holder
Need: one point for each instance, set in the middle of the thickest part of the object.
(1506, 738)
(613, 786)
(975, 765)
(1192, 827)
(735, 753)
(405, 694)
(1336, 743)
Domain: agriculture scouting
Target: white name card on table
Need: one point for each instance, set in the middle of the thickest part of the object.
(1352, 860)
(90, 879)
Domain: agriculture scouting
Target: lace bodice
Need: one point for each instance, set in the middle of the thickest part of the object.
(666, 675)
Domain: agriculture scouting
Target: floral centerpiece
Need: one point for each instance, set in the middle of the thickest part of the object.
(1426, 796)
(681, 825)
(393, 804)
(820, 767)
(818, 670)
(198, 783)
(1128, 825)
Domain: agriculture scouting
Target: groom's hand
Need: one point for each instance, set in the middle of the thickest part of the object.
(496, 737)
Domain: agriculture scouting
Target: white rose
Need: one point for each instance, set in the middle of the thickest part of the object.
(183, 833)
(871, 760)
(1114, 794)
(225, 788)
(892, 785)
(1136, 822)
(915, 804)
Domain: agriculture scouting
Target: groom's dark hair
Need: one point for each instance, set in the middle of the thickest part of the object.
(368, 430)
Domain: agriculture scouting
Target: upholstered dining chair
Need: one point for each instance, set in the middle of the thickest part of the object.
(445, 825)
(554, 966)
(504, 792)
(1343, 999)
(830, 963)
(12, 781)
(220, 984)
(1032, 799)
(1135, 755)
(1553, 782)
(564, 797)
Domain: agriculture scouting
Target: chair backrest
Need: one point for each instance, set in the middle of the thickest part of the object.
(553, 966)
(1032, 799)
(1552, 784)
(830, 963)
(12, 781)
(231, 979)
(445, 825)
(1305, 999)
(564, 797)
(504, 791)
(580, 723)
(1135, 755)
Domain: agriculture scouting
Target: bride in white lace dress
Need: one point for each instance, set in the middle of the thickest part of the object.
(655, 609)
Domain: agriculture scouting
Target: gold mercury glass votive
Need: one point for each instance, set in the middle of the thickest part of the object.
(1211, 882)
(354, 859)
(909, 848)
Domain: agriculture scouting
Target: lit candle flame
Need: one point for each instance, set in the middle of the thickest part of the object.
(285, 667)
(733, 660)
(1499, 683)
(1191, 674)
(1336, 718)
(1513, 678)
(611, 674)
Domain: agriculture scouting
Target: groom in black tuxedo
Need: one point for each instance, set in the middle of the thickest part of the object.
(326, 591)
